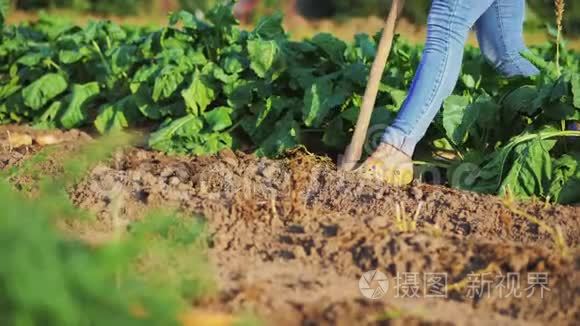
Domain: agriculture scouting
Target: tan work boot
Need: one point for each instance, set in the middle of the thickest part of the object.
(389, 164)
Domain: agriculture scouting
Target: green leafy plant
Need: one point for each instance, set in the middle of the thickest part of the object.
(204, 84)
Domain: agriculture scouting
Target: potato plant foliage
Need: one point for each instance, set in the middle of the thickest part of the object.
(202, 84)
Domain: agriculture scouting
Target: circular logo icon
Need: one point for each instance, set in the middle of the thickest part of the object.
(373, 284)
(374, 137)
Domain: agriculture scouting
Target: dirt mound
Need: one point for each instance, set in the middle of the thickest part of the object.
(291, 239)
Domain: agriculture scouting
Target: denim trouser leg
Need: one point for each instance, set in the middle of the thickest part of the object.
(448, 26)
(500, 33)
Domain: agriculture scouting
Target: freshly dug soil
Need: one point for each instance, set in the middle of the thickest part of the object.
(291, 238)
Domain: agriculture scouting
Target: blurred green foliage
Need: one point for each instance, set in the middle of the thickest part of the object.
(193, 5)
(540, 12)
(147, 275)
(3, 12)
(544, 9)
(125, 7)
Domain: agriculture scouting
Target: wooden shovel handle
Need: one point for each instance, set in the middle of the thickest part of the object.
(353, 151)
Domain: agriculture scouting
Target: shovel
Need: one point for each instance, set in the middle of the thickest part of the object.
(353, 151)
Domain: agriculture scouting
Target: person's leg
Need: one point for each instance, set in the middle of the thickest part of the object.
(500, 36)
(448, 26)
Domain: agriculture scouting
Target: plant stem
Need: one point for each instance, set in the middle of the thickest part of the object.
(436, 164)
(51, 63)
(102, 56)
(560, 8)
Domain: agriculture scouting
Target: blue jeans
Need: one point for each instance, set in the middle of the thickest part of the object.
(499, 28)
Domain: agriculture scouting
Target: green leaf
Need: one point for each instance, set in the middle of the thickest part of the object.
(199, 95)
(549, 67)
(316, 102)
(221, 75)
(565, 182)
(145, 74)
(4, 6)
(233, 65)
(523, 99)
(570, 193)
(12, 87)
(334, 135)
(239, 93)
(34, 58)
(487, 110)
(212, 143)
(561, 111)
(320, 98)
(186, 18)
(117, 116)
(398, 96)
(468, 81)
(48, 119)
(576, 89)
(265, 58)
(333, 47)
(366, 47)
(219, 118)
(75, 113)
(489, 177)
(222, 15)
(268, 112)
(531, 171)
(40, 92)
(145, 104)
(463, 174)
(72, 56)
(458, 118)
(123, 58)
(561, 88)
(383, 116)
(169, 79)
(15, 108)
(356, 73)
(351, 114)
(167, 137)
(265, 109)
(284, 136)
(270, 27)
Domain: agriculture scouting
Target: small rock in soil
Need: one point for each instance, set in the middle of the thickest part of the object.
(417, 193)
(174, 181)
(295, 228)
(379, 222)
(269, 171)
(48, 139)
(228, 156)
(330, 230)
(16, 140)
